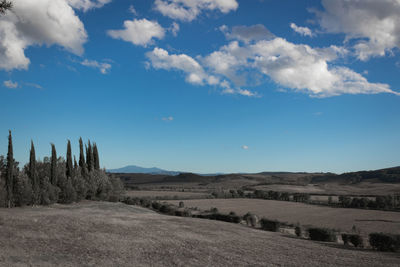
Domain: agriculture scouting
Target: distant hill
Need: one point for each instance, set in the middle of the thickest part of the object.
(389, 175)
(137, 169)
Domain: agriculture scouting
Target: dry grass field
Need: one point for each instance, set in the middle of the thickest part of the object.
(156, 194)
(115, 234)
(364, 188)
(339, 218)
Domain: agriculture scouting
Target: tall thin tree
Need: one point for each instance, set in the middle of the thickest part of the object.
(75, 164)
(33, 175)
(89, 157)
(82, 162)
(9, 172)
(96, 159)
(53, 167)
(69, 167)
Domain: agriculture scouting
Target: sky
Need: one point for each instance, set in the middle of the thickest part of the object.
(205, 86)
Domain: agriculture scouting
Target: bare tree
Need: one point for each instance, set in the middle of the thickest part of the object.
(4, 6)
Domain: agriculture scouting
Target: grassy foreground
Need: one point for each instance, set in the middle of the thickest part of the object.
(115, 234)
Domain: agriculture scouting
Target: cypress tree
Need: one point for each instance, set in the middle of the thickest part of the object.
(9, 172)
(96, 159)
(75, 163)
(82, 163)
(53, 169)
(89, 157)
(69, 160)
(33, 175)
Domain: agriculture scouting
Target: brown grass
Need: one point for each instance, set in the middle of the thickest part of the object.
(339, 218)
(364, 188)
(114, 234)
(158, 194)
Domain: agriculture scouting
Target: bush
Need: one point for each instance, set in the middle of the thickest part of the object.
(322, 234)
(270, 225)
(221, 217)
(355, 239)
(298, 231)
(384, 242)
(251, 219)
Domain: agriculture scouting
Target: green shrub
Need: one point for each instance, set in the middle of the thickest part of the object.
(384, 242)
(270, 225)
(322, 234)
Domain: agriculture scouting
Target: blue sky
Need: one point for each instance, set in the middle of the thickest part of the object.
(205, 86)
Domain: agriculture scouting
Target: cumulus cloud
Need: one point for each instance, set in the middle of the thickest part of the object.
(302, 30)
(10, 84)
(247, 33)
(373, 25)
(245, 147)
(194, 71)
(40, 22)
(296, 67)
(86, 5)
(139, 32)
(195, 74)
(188, 10)
(102, 66)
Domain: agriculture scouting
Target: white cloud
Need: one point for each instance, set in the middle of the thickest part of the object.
(297, 67)
(302, 30)
(188, 10)
(103, 67)
(40, 22)
(86, 5)
(139, 32)
(132, 10)
(247, 33)
(10, 84)
(245, 147)
(161, 59)
(174, 29)
(373, 25)
(168, 119)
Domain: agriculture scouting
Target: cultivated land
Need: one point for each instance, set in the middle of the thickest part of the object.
(115, 234)
(358, 189)
(366, 221)
(154, 194)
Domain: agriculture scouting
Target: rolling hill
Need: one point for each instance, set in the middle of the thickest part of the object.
(115, 234)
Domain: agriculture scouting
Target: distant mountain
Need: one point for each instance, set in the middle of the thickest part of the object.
(137, 169)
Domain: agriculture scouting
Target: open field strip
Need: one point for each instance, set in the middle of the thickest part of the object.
(366, 221)
(165, 194)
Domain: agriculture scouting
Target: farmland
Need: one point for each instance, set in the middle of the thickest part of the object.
(114, 234)
(366, 221)
(158, 194)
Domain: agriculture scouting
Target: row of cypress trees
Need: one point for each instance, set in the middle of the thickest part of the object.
(56, 179)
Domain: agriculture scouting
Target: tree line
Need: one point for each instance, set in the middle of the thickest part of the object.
(55, 179)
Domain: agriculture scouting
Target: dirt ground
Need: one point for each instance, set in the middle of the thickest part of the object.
(115, 234)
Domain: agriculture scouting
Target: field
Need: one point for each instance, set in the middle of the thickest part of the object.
(363, 188)
(366, 221)
(155, 194)
(114, 234)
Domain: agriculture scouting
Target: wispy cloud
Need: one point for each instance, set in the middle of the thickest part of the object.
(102, 66)
(168, 119)
(10, 84)
(245, 147)
(302, 30)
